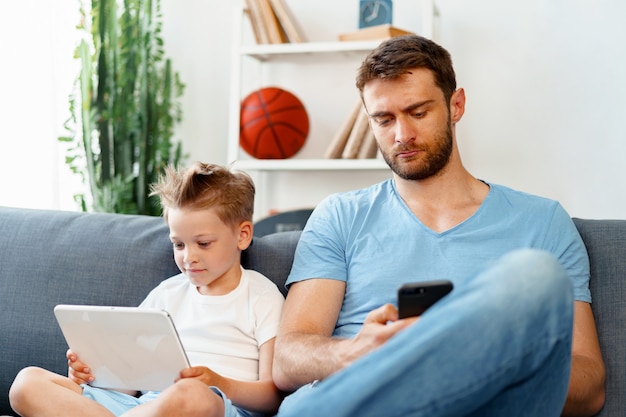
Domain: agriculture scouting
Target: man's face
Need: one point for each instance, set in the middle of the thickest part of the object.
(411, 121)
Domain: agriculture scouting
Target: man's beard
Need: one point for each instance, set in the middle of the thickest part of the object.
(431, 163)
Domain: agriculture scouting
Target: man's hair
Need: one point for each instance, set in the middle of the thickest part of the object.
(207, 186)
(397, 56)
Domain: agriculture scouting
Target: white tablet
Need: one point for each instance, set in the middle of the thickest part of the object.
(126, 347)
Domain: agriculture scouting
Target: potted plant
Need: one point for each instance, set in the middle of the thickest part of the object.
(125, 106)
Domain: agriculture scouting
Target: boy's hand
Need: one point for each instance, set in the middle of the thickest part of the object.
(77, 370)
(204, 374)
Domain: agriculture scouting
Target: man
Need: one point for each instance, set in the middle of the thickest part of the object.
(515, 337)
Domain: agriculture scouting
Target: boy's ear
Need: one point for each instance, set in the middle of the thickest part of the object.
(245, 234)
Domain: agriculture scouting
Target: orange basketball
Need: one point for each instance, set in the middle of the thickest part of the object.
(273, 124)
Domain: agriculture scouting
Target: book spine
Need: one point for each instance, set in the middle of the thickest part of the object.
(338, 143)
(270, 21)
(256, 20)
(288, 22)
(361, 126)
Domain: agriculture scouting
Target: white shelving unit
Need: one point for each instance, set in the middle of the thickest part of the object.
(299, 54)
(250, 63)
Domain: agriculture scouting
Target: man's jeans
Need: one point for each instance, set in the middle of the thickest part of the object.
(498, 345)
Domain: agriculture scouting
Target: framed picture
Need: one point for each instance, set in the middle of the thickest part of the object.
(374, 13)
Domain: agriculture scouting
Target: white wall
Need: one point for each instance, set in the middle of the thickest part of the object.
(543, 79)
(545, 86)
(36, 75)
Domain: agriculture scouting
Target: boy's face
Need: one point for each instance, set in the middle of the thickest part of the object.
(207, 250)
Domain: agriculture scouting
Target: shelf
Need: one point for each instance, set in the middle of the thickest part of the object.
(310, 64)
(273, 56)
(311, 164)
(288, 51)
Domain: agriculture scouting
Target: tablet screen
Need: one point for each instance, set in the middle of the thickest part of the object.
(126, 348)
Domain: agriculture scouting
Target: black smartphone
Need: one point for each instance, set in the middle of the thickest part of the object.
(415, 297)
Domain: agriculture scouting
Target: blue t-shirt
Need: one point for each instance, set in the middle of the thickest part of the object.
(370, 239)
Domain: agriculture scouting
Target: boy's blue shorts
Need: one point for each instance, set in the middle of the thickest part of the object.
(118, 403)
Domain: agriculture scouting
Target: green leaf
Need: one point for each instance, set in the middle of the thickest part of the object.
(121, 124)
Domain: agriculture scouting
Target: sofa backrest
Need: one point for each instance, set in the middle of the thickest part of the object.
(272, 255)
(51, 257)
(606, 244)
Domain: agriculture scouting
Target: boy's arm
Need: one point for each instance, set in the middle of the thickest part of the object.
(259, 396)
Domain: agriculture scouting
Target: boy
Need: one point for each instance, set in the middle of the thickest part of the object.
(227, 317)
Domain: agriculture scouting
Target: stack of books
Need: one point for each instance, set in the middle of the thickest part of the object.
(273, 22)
(355, 138)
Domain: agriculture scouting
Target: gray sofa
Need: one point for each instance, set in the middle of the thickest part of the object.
(52, 257)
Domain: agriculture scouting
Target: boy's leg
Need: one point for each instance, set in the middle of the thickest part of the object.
(186, 398)
(37, 392)
(498, 345)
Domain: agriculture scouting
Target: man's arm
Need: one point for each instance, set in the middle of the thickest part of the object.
(305, 350)
(585, 396)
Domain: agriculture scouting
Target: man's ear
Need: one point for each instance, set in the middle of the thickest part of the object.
(245, 234)
(457, 105)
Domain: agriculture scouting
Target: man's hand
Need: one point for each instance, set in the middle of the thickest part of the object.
(379, 326)
(305, 348)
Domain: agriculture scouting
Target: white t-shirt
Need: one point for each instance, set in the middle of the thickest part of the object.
(223, 333)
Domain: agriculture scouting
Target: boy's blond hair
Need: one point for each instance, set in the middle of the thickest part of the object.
(207, 186)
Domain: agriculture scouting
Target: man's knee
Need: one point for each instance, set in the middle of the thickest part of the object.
(539, 273)
(538, 287)
(523, 283)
